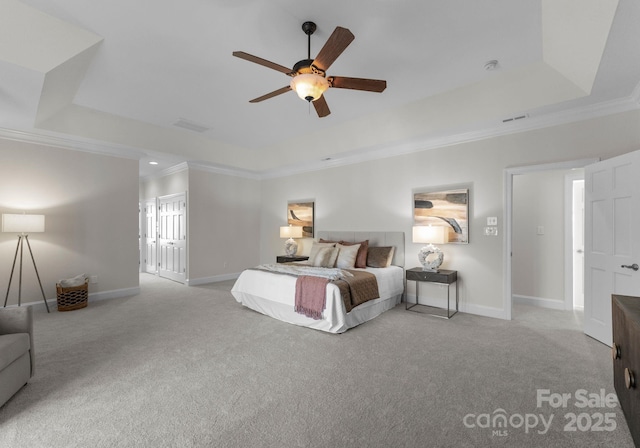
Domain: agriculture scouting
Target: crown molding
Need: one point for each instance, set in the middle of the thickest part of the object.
(547, 120)
(398, 148)
(223, 169)
(72, 143)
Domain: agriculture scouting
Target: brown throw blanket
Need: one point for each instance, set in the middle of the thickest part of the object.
(311, 296)
(358, 289)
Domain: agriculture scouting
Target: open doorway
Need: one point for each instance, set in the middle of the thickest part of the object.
(549, 279)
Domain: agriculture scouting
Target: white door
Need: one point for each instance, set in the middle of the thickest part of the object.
(150, 234)
(612, 245)
(172, 237)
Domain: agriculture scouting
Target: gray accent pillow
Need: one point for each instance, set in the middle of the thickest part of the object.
(380, 257)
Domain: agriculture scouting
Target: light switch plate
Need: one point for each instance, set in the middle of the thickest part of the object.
(492, 221)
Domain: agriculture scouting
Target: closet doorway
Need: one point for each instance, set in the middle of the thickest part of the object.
(172, 237)
(165, 236)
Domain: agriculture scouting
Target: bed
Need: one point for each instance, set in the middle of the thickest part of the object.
(273, 294)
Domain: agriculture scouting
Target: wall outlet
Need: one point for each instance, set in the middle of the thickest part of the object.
(93, 279)
(492, 221)
(491, 231)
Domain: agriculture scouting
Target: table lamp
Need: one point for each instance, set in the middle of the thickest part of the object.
(431, 235)
(290, 232)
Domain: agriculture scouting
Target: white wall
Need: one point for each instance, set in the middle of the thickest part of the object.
(377, 195)
(176, 182)
(91, 207)
(538, 259)
(224, 225)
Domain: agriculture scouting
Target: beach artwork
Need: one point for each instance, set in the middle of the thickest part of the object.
(449, 209)
(300, 214)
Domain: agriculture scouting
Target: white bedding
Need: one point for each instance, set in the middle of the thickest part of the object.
(273, 294)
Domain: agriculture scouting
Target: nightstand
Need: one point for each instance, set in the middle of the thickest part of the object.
(289, 259)
(442, 277)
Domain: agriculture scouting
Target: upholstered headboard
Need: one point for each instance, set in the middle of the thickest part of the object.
(395, 239)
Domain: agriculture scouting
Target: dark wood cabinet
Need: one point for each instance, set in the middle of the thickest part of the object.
(626, 359)
(290, 258)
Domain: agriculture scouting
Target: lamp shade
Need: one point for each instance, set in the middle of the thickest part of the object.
(290, 232)
(309, 86)
(22, 223)
(429, 234)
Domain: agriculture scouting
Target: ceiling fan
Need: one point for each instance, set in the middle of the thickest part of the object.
(309, 78)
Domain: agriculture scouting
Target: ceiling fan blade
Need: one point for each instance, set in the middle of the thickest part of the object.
(335, 45)
(322, 108)
(260, 61)
(370, 85)
(271, 94)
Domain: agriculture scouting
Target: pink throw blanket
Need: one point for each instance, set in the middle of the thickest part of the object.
(311, 296)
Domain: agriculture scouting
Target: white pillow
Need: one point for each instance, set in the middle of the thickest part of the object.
(315, 247)
(347, 256)
(324, 257)
(75, 281)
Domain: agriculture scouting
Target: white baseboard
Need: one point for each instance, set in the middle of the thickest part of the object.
(38, 305)
(212, 279)
(539, 302)
(469, 308)
(114, 294)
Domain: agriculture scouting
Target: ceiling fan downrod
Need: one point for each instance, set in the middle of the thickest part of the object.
(309, 28)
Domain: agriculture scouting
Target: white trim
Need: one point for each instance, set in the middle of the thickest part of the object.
(569, 178)
(114, 294)
(74, 143)
(508, 218)
(212, 279)
(168, 171)
(92, 297)
(220, 169)
(539, 302)
(492, 129)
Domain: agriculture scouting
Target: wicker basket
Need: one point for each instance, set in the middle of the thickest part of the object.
(72, 298)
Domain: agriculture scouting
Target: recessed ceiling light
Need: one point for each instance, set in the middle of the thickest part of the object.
(153, 163)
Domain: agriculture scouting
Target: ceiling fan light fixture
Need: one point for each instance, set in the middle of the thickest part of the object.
(309, 86)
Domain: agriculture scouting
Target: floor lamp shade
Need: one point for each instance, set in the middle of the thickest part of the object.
(22, 223)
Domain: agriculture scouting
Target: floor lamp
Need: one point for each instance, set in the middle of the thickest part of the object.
(23, 225)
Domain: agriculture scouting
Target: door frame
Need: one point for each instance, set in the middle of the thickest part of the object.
(569, 178)
(507, 301)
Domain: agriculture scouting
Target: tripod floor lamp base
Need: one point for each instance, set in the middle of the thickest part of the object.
(23, 223)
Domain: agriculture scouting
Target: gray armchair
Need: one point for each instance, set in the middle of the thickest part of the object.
(16, 350)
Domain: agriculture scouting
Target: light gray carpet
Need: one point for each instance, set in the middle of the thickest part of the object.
(184, 366)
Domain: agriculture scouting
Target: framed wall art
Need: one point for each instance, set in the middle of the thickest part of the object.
(447, 208)
(300, 214)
